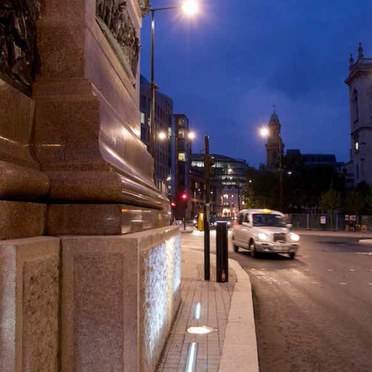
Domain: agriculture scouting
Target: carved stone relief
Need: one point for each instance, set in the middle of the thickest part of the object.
(114, 14)
(18, 41)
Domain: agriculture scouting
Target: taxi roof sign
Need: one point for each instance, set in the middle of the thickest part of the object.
(266, 211)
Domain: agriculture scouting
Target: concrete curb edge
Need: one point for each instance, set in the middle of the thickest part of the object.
(239, 351)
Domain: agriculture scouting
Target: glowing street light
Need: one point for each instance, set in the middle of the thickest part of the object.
(264, 132)
(190, 7)
(191, 135)
(162, 136)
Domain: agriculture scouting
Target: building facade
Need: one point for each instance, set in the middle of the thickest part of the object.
(229, 177)
(359, 82)
(180, 179)
(163, 124)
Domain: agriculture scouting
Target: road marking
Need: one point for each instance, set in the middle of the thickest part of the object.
(351, 269)
(369, 283)
(365, 253)
(329, 269)
(343, 283)
(314, 282)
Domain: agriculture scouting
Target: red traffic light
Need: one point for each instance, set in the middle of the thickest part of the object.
(184, 196)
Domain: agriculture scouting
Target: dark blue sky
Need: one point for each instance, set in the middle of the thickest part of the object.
(227, 68)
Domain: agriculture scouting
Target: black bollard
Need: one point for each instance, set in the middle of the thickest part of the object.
(222, 256)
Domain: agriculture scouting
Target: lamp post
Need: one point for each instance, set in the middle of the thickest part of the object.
(265, 133)
(207, 165)
(189, 7)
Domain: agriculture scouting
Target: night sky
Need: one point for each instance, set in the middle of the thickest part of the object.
(226, 69)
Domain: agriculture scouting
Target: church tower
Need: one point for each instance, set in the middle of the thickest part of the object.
(274, 144)
(359, 82)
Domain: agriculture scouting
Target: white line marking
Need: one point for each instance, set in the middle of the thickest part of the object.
(343, 283)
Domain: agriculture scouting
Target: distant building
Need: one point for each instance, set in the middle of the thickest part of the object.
(181, 177)
(311, 160)
(163, 123)
(359, 82)
(229, 177)
(274, 143)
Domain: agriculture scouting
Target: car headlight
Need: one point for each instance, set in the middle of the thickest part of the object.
(294, 237)
(263, 236)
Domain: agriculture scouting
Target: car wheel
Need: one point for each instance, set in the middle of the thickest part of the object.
(292, 255)
(236, 248)
(252, 249)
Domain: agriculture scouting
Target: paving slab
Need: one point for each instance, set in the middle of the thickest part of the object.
(225, 308)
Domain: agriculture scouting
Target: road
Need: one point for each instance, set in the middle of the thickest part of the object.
(313, 313)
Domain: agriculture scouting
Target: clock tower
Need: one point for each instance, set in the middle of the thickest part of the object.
(274, 144)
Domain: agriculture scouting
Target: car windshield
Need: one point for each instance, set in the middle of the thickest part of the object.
(268, 220)
(222, 219)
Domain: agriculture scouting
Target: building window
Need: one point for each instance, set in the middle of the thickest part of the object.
(142, 118)
(356, 146)
(181, 133)
(181, 156)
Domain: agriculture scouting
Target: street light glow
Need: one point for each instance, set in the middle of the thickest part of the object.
(191, 135)
(190, 7)
(162, 136)
(264, 132)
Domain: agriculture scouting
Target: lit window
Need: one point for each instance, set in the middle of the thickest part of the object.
(142, 118)
(356, 146)
(181, 156)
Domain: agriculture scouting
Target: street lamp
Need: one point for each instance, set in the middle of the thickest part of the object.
(265, 133)
(189, 8)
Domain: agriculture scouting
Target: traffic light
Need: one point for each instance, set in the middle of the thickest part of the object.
(184, 196)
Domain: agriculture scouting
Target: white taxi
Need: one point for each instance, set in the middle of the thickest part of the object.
(264, 231)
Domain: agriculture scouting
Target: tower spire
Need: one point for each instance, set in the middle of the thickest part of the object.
(351, 59)
(360, 51)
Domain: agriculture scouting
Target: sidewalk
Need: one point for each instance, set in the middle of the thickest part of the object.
(226, 309)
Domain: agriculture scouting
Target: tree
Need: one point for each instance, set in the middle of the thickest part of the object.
(330, 201)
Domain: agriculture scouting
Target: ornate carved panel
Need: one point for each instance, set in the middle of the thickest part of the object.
(18, 41)
(114, 15)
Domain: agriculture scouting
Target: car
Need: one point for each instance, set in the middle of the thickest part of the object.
(216, 219)
(264, 231)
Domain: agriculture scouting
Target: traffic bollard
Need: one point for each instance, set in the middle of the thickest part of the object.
(222, 256)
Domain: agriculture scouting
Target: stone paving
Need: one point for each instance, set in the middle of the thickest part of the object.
(214, 299)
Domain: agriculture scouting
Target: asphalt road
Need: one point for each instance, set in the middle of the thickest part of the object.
(313, 313)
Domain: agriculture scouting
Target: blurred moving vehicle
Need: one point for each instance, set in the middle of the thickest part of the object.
(264, 231)
(215, 219)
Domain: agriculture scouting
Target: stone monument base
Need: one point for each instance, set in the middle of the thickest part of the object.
(102, 219)
(88, 303)
(21, 219)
